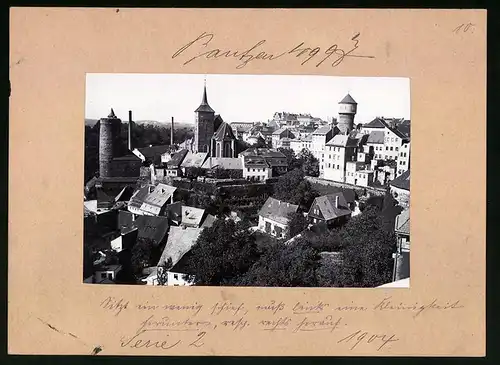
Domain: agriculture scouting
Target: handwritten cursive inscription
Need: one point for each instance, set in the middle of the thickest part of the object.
(388, 305)
(364, 337)
(114, 305)
(327, 323)
(201, 48)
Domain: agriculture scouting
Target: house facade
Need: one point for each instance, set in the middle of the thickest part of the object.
(273, 217)
(332, 209)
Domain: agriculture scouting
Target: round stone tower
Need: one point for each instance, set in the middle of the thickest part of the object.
(347, 111)
(109, 132)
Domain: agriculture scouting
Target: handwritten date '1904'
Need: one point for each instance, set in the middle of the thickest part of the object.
(201, 45)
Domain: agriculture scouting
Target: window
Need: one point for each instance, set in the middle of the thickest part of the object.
(248, 169)
(338, 166)
(176, 284)
(253, 170)
(392, 139)
(176, 277)
(396, 148)
(329, 156)
(103, 275)
(387, 148)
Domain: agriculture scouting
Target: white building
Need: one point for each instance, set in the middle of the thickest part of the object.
(320, 138)
(403, 163)
(273, 217)
(339, 150)
(256, 168)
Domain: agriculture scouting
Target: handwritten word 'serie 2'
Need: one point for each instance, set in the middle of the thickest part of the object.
(201, 48)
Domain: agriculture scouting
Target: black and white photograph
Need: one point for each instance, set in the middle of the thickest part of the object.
(246, 180)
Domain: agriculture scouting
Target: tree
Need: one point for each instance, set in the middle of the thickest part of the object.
(222, 253)
(326, 241)
(162, 271)
(293, 188)
(310, 164)
(291, 265)
(297, 223)
(367, 253)
(142, 254)
(291, 159)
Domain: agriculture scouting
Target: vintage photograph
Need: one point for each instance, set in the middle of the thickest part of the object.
(246, 180)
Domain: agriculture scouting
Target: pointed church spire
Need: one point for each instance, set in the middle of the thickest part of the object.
(204, 107)
(112, 114)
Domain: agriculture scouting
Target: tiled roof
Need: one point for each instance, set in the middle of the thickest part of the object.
(402, 181)
(192, 216)
(376, 137)
(229, 163)
(153, 228)
(156, 200)
(180, 241)
(342, 140)
(194, 159)
(326, 204)
(322, 130)
(402, 224)
(277, 210)
(154, 153)
(264, 152)
(254, 161)
(177, 158)
(376, 123)
(347, 100)
(138, 197)
(225, 132)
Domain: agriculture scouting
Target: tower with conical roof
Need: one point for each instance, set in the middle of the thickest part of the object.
(204, 124)
(109, 133)
(347, 112)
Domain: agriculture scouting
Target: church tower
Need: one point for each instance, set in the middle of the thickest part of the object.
(109, 133)
(204, 124)
(347, 111)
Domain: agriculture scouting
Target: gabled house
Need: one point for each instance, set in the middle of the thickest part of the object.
(156, 201)
(280, 134)
(256, 168)
(331, 209)
(274, 217)
(137, 199)
(193, 161)
(173, 166)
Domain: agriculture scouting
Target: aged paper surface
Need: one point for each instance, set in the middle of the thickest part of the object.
(51, 311)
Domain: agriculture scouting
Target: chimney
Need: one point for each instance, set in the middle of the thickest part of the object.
(130, 130)
(336, 201)
(172, 133)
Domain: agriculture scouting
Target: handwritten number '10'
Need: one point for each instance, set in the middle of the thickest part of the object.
(463, 27)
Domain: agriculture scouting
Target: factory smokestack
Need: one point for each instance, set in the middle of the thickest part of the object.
(172, 133)
(130, 130)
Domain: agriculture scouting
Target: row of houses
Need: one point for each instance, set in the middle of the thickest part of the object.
(256, 164)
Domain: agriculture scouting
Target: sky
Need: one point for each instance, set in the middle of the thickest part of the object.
(244, 98)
